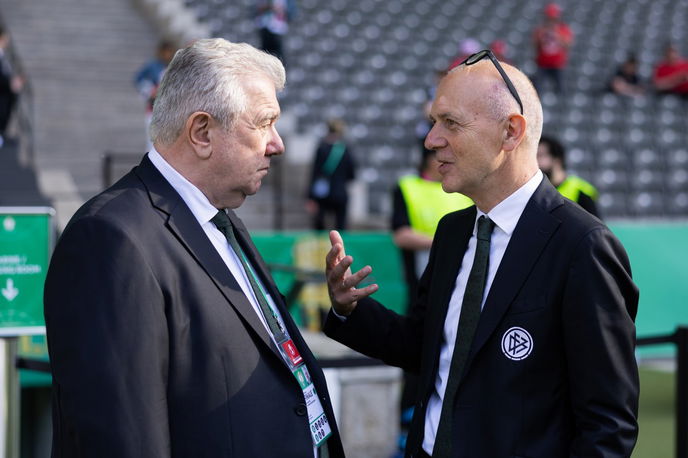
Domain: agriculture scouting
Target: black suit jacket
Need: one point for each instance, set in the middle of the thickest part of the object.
(564, 279)
(155, 350)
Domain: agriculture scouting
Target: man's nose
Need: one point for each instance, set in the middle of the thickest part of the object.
(275, 145)
(434, 141)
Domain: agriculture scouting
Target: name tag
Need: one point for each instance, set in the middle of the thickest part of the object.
(291, 353)
(319, 426)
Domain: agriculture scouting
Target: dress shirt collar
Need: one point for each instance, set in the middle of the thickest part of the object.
(197, 202)
(506, 214)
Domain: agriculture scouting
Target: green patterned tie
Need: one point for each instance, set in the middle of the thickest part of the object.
(224, 225)
(468, 323)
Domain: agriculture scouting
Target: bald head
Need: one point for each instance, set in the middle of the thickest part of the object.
(491, 94)
(487, 149)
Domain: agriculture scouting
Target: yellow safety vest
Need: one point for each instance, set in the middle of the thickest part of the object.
(572, 186)
(427, 203)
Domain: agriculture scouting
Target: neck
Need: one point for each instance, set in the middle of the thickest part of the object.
(503, 188)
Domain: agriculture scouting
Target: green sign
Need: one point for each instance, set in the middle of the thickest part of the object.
(26, 237)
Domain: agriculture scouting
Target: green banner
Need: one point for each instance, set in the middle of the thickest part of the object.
(26, 237)
(663, 291)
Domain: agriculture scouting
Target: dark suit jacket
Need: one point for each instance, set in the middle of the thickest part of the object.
(340, 177)
(565, 279)
(155, 350)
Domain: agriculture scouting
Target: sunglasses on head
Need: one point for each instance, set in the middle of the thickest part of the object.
(480, 55)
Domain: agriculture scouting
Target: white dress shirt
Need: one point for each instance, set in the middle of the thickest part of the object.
(505, 215)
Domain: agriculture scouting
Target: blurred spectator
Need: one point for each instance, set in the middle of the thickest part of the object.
(333, 168)
(551, 157)
(552, 40)
(423, 126)
(626, 80)
(671, 74)
(148, 78)
(419, 202)
(11, 84)
(499, 49)
(467, 47)
(272, 20)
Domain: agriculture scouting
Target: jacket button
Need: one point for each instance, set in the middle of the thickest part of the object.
(300, 410)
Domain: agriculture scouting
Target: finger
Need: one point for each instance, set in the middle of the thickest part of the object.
(353, 280)
(332, 256)
(336, 240)
(337, 273)
(354, 295)
(335, 237)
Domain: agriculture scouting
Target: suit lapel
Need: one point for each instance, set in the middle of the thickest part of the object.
(532, 233)
(184, 226)
(262, 270)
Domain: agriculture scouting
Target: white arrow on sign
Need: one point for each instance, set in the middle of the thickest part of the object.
(9, 291)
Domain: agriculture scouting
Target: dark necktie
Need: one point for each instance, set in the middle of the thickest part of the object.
(468, 323)
(222, 222)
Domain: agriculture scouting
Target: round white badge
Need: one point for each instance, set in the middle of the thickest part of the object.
(517, 344)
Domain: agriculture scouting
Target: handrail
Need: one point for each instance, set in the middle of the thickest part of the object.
(680, 339)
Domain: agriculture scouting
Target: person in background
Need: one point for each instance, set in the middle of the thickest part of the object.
(333, 168)
(166, 332)
(552, 40)
(551, 157)
(272, 21)
(467, 47)
(522, 331)
(423, 125)
(148, 77)
(500, 50)
(11, 84)
(419, 202)
(626, 81)
(671, 74)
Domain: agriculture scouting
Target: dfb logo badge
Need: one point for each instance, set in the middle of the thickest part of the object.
(517, 344)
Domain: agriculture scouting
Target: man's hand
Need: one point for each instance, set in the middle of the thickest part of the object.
(341, 283)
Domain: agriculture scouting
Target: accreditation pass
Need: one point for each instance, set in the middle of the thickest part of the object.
(317, 420)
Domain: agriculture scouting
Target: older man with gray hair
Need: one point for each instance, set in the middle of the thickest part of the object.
(166, 332)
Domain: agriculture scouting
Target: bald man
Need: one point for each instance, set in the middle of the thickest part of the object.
(523, 333)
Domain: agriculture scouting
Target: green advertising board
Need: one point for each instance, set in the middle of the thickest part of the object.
(26, 239)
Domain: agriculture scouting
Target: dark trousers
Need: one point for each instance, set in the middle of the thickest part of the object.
(325, 208)
(271, 43)
(7, 102)
(552, 74)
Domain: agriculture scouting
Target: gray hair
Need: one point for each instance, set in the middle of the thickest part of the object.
(208, 76)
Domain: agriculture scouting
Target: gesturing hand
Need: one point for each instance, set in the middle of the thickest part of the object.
(341, 283)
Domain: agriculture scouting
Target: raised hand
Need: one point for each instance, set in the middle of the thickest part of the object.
(341, 283)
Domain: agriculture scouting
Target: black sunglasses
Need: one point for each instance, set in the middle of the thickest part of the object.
(480, 55)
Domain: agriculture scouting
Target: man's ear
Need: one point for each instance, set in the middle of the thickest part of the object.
(197, 129)
(515, 132)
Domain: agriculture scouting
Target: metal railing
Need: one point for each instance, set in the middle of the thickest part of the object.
(680, 339)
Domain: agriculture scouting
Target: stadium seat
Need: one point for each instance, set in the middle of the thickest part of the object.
(372, 62)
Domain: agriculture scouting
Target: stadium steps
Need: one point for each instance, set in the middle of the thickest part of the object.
(18, 184)
(80, 58)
